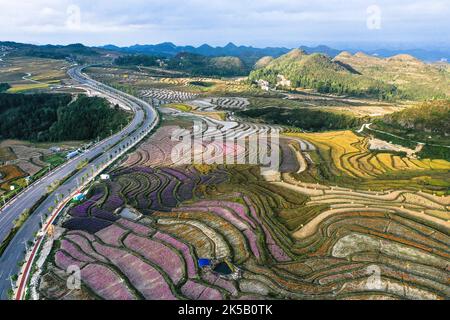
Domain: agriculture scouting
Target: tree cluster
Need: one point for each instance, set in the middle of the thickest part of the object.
(53, 117)
(304, 118)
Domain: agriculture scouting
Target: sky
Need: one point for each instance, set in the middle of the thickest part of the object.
(260, 23)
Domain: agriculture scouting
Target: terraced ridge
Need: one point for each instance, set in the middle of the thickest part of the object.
(223, 142)
(231, 103)
(289, 239)
(286, 244)
(166, 95)
(132, 250)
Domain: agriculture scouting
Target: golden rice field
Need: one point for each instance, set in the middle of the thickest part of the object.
(349, 155)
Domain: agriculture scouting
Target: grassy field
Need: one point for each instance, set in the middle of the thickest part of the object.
(55, 159)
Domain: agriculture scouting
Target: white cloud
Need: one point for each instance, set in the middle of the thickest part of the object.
(263, 22)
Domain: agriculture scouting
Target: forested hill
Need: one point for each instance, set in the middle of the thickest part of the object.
(53, 117)
(320, 72)
(430, 116)
(208, 66)
(137, 60)
(194, 64)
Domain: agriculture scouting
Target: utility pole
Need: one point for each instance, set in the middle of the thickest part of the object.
(13, 285)
(26, 246)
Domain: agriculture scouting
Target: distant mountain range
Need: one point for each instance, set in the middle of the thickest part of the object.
(51, 51)
(170, 49)
(252, 54)
(248, 54)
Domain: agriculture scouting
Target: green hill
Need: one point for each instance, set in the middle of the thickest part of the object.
(263, 62)
(297, 69)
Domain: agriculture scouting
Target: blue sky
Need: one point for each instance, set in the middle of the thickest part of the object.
(342, 24)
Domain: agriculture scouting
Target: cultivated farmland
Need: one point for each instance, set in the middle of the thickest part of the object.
(335, 215)
(282, 239)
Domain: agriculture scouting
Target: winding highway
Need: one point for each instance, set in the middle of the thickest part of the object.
(145, 119)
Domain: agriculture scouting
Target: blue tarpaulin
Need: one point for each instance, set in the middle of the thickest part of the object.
(79, 197)
(204, 262)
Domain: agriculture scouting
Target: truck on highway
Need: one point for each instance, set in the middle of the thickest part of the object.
(72, 154)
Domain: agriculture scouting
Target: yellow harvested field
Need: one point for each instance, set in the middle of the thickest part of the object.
(350, 155)
(179, 106)
(25, 87)
(217, 115)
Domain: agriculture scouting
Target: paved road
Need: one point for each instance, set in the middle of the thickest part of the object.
(144, 120)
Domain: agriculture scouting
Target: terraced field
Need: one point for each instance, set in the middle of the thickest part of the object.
(167, 96)
(283, 237)
(343, 157)
(231, 103)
